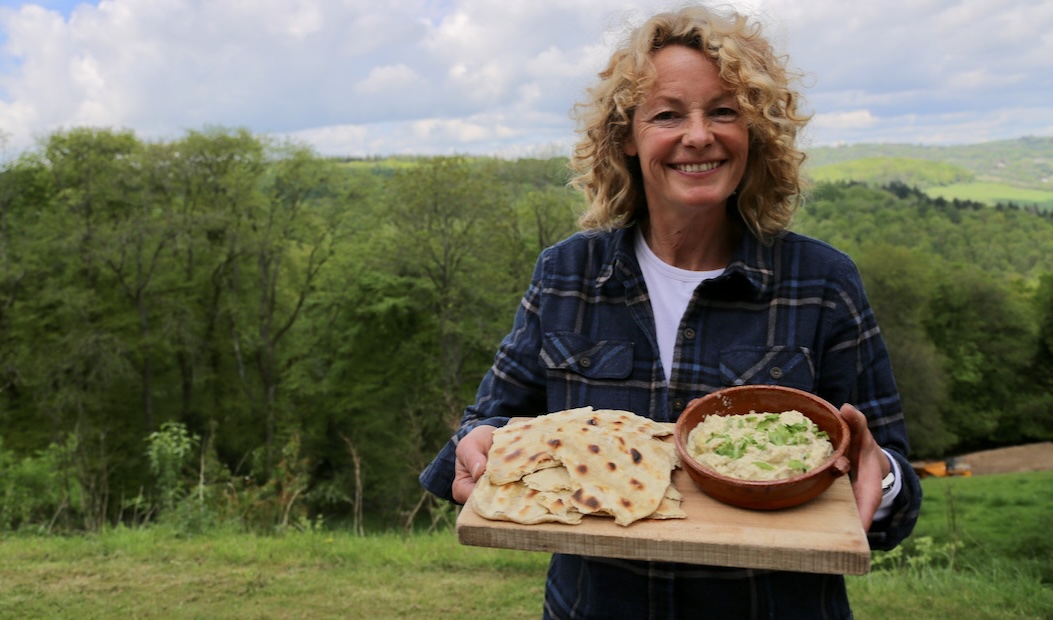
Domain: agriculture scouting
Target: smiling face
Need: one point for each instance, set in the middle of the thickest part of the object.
(689, 135)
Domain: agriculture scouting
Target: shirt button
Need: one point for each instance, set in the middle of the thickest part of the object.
(776, 373)
(585, 362)
(678, 405)
(689, 334)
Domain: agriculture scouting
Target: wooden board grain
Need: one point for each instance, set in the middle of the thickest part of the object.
(821, 536)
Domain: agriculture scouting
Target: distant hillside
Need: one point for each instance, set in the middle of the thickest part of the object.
(879, 171)
(1024, 163)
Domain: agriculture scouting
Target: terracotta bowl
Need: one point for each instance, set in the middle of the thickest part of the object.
(765, 494)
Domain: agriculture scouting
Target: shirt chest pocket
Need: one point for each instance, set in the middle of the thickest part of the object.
(786, 366)
(592, 359)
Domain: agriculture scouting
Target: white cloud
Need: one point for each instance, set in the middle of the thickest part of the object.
(388, 78)
(855, 119)
(440, 76)
(335, 138)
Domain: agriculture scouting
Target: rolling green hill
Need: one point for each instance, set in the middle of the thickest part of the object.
(1007, 171)
(1024, 162)
(994, 193)
(884, 170)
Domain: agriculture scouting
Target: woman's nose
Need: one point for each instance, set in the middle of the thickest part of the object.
(697, 131)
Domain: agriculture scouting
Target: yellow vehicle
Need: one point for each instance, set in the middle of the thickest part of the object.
(950, 467)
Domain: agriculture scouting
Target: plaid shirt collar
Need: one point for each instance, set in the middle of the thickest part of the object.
(752, 263)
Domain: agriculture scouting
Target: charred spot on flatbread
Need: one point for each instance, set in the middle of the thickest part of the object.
(590, 502)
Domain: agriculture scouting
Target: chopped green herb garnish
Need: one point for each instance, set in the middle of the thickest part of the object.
(779, 435)
(731, 449)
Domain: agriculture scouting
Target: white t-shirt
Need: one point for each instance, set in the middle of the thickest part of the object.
(670, 289)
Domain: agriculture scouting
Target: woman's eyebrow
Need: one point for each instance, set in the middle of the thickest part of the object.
(663, 98)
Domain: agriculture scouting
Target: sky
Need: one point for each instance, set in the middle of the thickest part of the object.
(365, 78)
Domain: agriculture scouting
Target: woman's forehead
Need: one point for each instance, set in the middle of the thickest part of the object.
(679, 72)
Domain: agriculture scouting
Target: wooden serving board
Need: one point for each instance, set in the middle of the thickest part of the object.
(820, 536)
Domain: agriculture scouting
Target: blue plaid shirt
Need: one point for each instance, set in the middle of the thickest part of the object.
(792, 313)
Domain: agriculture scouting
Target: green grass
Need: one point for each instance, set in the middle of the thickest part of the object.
(1003, 569)
(993, 193)
(153, 574)
(998, 517)
(994, 593)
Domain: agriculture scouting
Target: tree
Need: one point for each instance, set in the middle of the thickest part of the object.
(982, 327)
(453, 228)
(1036, 412)
(898, 281)
(136, 236)
(288, 236)
(213, 174)
(74, 352)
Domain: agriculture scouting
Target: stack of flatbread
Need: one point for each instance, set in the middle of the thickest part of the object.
(561, 466)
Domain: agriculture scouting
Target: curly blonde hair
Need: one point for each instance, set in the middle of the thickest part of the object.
(770, 189)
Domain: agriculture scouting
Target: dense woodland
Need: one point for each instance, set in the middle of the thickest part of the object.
(228, 329)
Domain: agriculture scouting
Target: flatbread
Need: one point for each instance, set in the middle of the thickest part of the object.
(521, 449)
(623, 474)
(670, 506)
(550, 479)
(560, 466)
(515, 502)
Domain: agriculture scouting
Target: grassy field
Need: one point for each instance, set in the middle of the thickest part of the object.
(997, 572)
(994, 193)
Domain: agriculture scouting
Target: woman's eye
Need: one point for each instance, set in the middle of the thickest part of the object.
(725, 113)
(664, 116)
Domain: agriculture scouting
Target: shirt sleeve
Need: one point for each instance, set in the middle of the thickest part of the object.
(893, 524)
(857, 370)
(887, 499)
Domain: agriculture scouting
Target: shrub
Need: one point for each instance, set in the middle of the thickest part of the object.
(39, 492)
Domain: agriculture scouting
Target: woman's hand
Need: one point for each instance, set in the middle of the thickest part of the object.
(869, 464)
(471, 461)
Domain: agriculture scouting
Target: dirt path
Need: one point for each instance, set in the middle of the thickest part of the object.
(1031, 457)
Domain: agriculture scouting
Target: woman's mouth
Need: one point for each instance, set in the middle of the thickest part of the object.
(697, 167)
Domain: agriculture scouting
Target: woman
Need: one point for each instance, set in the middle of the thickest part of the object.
(685, 280)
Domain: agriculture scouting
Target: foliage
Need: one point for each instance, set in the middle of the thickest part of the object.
(169, 450)
(917, 555)
(224, 330)
(38, 492)
(959, 312)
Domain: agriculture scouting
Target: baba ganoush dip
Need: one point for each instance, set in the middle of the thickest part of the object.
(759, 446)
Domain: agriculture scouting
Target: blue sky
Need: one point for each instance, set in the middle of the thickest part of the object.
(62, 6)
(361, 77)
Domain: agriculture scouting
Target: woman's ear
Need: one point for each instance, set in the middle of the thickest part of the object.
(629, 148)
